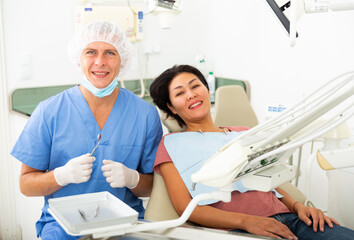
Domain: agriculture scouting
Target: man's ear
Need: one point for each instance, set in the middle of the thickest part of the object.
(173, 110)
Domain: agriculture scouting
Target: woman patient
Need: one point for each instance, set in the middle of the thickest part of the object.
(182, 92)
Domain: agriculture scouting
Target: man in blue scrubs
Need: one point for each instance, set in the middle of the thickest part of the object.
(56, 143)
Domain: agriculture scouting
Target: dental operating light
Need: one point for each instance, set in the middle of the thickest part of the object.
(288, 12)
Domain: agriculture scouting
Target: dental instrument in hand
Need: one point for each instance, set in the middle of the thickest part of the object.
(99, 140)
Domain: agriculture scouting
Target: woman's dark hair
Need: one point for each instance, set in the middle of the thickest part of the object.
(159, 88)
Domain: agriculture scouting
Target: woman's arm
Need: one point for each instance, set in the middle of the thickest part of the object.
(212, 217)
(306, 213)
(35, 182)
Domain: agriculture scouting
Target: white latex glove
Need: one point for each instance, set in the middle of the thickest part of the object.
(77, 170)
(118, 175)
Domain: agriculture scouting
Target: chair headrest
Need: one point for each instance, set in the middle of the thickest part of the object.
(170, 123)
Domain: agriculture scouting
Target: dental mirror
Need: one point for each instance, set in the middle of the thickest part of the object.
(99, 140)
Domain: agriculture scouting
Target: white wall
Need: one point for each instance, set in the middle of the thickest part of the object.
(248, 43)
(240, 38)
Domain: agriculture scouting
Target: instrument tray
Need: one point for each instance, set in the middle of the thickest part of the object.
(99, 211)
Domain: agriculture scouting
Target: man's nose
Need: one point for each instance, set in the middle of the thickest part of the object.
(100, 61)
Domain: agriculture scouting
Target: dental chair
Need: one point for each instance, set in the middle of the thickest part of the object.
(160, 207)
(232, 107)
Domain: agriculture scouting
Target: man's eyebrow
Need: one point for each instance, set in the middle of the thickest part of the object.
(107, 50)
(86, 49)
(111, 50)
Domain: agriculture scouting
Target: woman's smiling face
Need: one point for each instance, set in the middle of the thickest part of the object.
(190, 99)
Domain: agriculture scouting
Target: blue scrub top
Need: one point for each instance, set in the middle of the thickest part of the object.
(63, 127)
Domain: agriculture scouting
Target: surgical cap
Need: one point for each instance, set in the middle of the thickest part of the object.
(102, 31)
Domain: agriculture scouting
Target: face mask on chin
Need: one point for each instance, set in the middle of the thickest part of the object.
(99, 92)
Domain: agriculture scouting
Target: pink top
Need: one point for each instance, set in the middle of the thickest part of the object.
(264, 204)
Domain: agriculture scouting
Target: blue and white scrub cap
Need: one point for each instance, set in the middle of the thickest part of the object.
(102, 31)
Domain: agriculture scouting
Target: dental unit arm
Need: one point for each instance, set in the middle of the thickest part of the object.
(259, 152)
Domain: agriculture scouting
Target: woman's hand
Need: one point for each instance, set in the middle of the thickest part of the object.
(319, 219)
(268, 227)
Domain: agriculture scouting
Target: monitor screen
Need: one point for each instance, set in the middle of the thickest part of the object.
(281, 9)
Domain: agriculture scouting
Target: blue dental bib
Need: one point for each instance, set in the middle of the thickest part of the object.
(190, 150)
